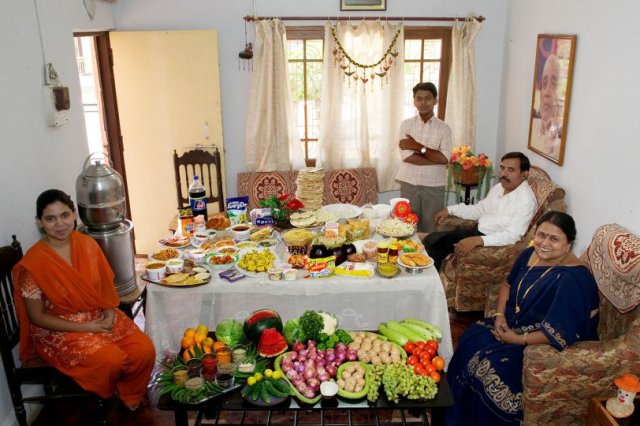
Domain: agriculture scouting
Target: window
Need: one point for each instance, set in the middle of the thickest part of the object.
(427, 57)
(427, 52)
(305, 48)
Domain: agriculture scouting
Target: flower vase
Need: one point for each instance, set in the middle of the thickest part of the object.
(282, 224)
(466, 177)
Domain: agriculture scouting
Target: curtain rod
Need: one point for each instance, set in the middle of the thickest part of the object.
(365, 18)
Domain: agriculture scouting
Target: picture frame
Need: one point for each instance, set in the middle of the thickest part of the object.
(551, 95)
(363, 5)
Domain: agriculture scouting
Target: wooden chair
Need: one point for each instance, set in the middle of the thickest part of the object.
(36, 372)
(199, 162)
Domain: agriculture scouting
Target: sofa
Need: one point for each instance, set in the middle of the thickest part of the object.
(559, 385)
(353, 186)
(472, 281)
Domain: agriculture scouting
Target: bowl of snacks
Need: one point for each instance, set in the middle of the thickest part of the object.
(221, 261)
(165, 254)
(197, 254)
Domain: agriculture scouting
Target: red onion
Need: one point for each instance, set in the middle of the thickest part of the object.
(330, 357)
(340, 356)
(303, 352)
(320, 370)
(291, 374)
(313, 384)
(311, 344)
(299, 368)
(302, 387)
(313, 355)
(309, 373)
(324, 377)
(309, 363)
(301, 359)
(321, 354)
(297, 380)
(352, 355)
(292, 356)
(341, 347)
(339, 362)
(298, 346)
(286, 366)
(331, 370)
(331, 351)
(320, 362)
(308, 393)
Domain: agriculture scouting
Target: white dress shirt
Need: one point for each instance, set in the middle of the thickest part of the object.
(502, 218)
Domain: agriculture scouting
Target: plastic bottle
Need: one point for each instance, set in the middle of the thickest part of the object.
(198, 198)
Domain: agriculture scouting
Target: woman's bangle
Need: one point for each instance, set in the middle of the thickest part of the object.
(526, 333)
(497, 314)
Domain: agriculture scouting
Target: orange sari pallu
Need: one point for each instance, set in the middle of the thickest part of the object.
(99, 362)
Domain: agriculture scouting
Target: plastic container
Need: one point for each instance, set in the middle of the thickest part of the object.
(198, 198)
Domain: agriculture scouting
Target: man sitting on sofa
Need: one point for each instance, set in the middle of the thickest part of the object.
(503, 216)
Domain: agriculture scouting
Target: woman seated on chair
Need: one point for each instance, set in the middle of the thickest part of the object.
(67, 307)
(550, 298)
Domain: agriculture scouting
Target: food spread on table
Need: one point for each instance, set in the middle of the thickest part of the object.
(306, 357)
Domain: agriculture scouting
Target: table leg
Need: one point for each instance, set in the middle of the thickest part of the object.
(437, 416)
(181, 416)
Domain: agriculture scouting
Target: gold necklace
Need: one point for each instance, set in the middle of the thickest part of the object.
(524, 296)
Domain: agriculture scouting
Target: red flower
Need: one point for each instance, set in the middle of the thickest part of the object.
(411, 219)
(295, 204)
(283, 197)
(402, 209)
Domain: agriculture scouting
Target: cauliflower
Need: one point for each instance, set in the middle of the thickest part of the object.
(330, 323)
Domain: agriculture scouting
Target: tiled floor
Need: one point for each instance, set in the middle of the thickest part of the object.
(148, 414)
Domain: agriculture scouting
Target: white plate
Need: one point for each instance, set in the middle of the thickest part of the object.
(256, 274)
(222, 266)
(343, 211)
(401, 263)
(175, 242)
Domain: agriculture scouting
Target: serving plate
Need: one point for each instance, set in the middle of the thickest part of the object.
(275, 400)
(343, 211)
(153, 255)
(403, 230)
(220, 266)
(415, 269)
(354, 395)
(254, 274)
(174, 285)
(177, 241)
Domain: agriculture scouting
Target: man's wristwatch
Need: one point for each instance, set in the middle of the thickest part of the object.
(423, 150)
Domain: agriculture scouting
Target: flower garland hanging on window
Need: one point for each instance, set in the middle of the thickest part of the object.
(364, 72)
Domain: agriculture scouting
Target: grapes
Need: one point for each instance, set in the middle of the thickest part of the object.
(399, 381)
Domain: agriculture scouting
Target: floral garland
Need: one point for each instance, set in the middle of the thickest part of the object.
(345, 62)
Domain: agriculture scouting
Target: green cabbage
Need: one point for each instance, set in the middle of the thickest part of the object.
(230, 332)
(293, 332)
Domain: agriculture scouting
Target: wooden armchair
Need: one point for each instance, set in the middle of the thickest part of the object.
(471, 282)
(559, 385)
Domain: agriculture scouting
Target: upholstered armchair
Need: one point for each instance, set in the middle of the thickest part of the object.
(559, 385)
(472, 281)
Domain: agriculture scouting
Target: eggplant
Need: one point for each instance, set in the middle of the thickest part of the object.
(318, 251)
(349, 249)
(340, 254)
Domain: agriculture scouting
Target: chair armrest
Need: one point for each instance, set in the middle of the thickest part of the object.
(451, 222)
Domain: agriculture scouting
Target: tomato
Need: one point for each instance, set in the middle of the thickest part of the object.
(430, 351)
(438, 363)
(412, 360)
(429, 369)
(409, 347)
(435, 376)
(417, 351)
(420, 344)
(433, 344)
(425, 362)
(419, 370)
(424, 356)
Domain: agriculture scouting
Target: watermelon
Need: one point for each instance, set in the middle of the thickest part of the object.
(271, 343)
(259, 321)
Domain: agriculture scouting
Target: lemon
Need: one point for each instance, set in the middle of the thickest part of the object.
(251, 381)
(276, 375)
(268, 372)
(258, 376)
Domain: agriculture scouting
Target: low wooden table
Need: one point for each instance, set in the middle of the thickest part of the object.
(234, 402)
(598, 415)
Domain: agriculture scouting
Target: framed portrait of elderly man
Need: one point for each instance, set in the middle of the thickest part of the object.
(363, 4)
(551, 95)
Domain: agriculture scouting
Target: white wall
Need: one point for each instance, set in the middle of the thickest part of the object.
(602, 147)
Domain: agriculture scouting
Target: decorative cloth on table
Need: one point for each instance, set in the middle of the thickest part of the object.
(614, 256)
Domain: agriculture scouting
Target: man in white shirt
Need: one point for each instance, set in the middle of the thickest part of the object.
(503, 216)
(425, 143)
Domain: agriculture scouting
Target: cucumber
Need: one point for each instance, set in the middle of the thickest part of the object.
(423, 332)
(246, 391)
(255, 391)
(399, 328)
(264, 392)
(271, 388)
(393, 336)
(435, 331)
(282, 386)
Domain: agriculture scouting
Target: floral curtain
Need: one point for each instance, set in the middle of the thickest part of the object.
(271, 140)
(358, 126)
(461, 95)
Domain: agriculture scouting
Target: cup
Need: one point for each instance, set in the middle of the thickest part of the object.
(194, 366)
(226, 367)
(238, 354)
(224, 380)
(200, 238)
(290, 274)
(197, 254)
(209, 367)
(212, 234)
(175, 265)
(156, 270)
(223, 355)
(240, 232)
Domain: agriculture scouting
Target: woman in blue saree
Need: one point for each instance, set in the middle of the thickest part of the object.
(550, 298)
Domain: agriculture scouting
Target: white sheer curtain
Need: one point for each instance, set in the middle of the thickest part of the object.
(271, 140)
(359, 122)
(461, 95)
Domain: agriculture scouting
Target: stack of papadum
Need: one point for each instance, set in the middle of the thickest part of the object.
(310, 187)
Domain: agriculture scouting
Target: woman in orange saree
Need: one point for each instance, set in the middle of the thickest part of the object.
(67, 307)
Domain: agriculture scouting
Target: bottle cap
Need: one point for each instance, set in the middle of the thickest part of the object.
(195, 177)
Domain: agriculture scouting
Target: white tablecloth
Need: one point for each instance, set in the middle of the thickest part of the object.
(359, 304)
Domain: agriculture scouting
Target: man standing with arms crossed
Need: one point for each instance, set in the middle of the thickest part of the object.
(425, 143)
